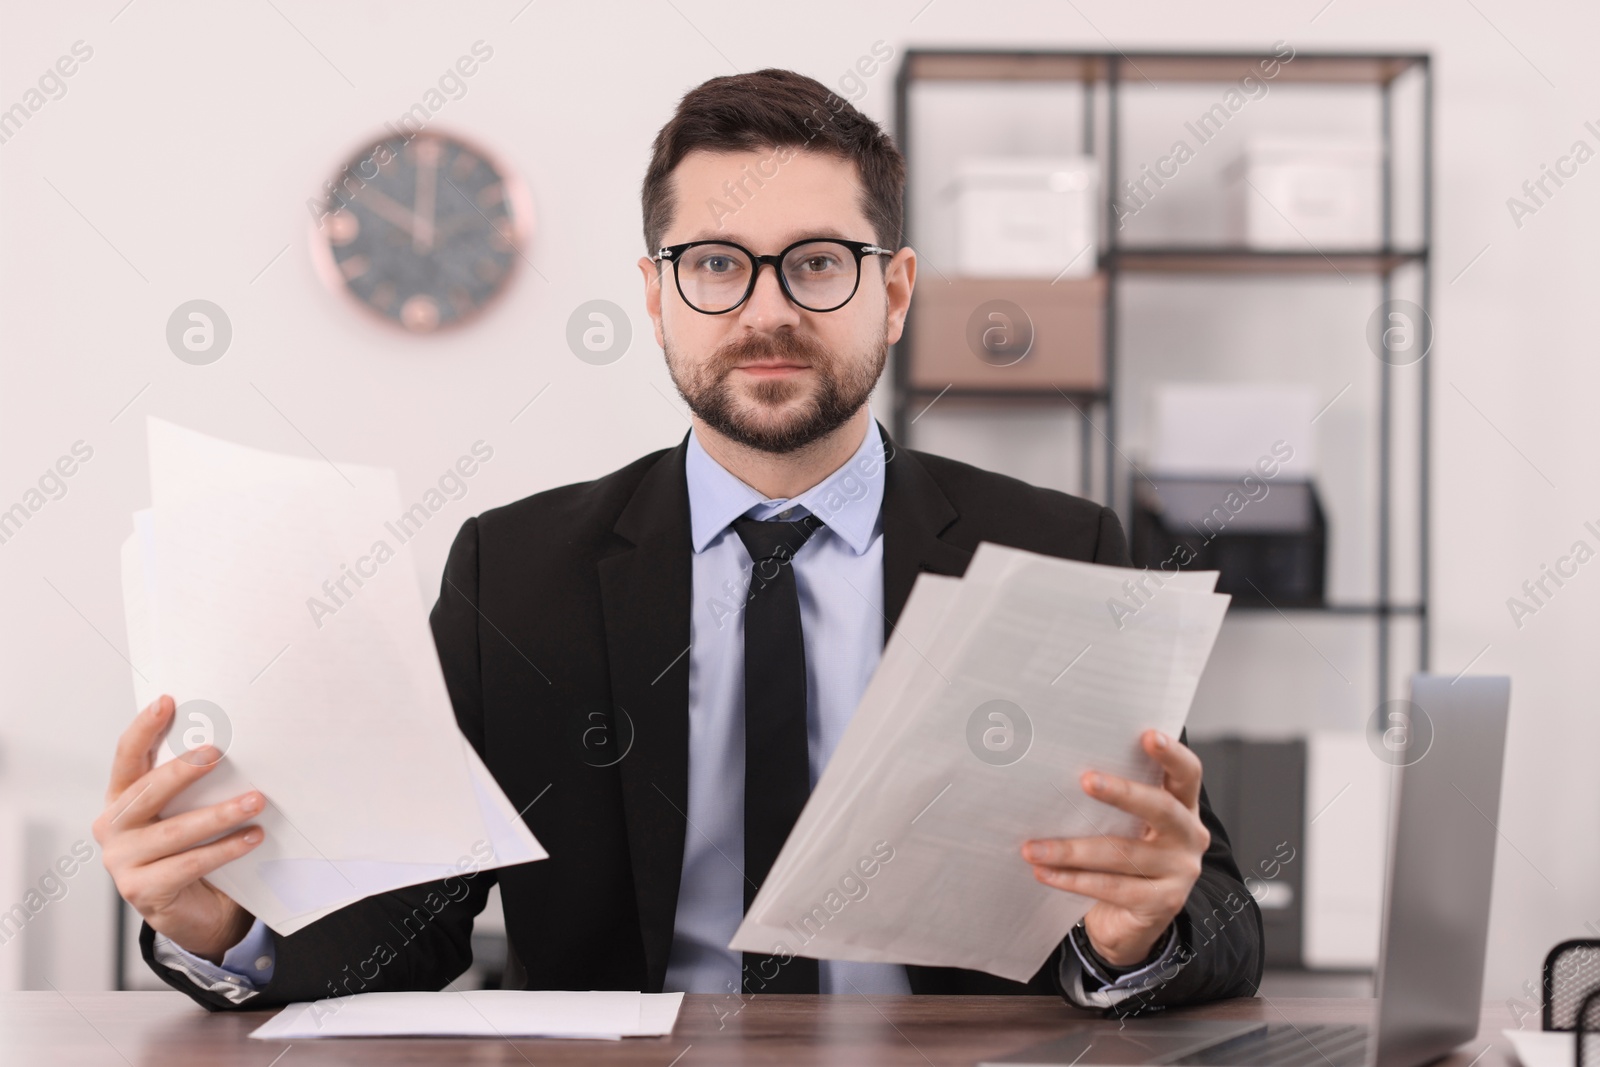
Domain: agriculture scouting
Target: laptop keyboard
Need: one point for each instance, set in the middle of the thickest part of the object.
(1287, 1046)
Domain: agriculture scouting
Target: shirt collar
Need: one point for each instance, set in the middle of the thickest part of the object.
(847, 500)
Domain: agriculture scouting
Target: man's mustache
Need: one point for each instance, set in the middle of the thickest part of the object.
(784, 347)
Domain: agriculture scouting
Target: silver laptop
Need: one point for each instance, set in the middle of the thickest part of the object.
(1445, 807)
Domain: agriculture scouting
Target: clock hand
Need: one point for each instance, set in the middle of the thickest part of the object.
(455, 223)
(385, 207)
(427, 186)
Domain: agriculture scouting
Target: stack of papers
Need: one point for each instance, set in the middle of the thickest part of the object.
(599, 1014)
(995, 692)
(1543, 1048)
(324, 691)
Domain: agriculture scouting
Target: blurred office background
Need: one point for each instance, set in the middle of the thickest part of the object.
(183, 157)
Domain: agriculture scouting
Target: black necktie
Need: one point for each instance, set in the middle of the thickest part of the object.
(777, 771)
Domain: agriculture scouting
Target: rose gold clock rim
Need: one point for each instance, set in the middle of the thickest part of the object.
(519, 204)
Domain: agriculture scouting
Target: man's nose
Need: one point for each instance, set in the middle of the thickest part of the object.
(768, 306)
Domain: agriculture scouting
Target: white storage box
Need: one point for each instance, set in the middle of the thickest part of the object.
(1309, 193)
(1224, 429)
(1026, 217)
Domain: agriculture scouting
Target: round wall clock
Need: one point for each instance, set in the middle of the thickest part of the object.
(424, 230)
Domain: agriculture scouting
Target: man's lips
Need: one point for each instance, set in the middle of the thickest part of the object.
(771, 367)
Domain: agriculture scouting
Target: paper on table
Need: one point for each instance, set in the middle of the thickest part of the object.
(658, 1014)
(599, 1014)
(1543, 1048)
(908, 797)
(219, 581)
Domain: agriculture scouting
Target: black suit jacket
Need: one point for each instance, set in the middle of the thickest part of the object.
(570, 608)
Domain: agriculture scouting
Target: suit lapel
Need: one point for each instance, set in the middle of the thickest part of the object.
(915, 513)
(645, 591)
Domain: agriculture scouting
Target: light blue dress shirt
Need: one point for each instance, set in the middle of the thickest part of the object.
(839, 579)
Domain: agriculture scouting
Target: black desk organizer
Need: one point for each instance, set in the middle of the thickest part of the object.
(1268, 538)
(1572, 996)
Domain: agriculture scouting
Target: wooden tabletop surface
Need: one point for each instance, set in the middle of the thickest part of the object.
(169, 1030)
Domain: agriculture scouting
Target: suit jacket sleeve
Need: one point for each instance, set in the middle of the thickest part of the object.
(1219, 929)
(417, 938)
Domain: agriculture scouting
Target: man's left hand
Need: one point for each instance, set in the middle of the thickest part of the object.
(1139, 884)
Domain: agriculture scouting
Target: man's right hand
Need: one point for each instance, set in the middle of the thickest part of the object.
(159, 865)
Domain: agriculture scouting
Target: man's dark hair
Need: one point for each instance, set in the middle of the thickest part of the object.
(776, 109)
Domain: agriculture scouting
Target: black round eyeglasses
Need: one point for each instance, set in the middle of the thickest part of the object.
(816, 273)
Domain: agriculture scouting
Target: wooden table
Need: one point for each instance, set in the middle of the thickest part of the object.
(169, 1030)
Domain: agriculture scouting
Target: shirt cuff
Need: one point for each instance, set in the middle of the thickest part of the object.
(1078, 972)
(245, 969)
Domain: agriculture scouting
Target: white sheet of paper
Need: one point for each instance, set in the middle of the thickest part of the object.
(599, 1014)
(906, 781)
(905, 658)
(324, 886)
(341, 719)
(291, 894)
(1542, 1048)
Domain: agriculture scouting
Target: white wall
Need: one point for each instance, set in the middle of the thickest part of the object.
(179, 161)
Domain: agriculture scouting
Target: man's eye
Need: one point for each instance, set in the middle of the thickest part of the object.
(818, 264)
(717, 264)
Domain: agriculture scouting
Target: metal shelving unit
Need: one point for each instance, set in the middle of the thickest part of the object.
(1103, 77)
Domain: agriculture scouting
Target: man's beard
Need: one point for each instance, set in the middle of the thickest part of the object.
(839, 389)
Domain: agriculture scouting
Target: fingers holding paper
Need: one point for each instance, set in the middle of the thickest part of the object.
(158, 864)
(1139, 884)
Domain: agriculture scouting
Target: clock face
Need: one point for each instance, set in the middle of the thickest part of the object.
(424, 231)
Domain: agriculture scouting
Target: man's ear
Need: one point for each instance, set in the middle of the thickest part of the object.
(652, 297)
(899, 278)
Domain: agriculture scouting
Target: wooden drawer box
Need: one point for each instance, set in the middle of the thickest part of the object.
(1022, 334)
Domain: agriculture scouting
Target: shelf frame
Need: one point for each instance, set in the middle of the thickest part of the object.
(1104, 75)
